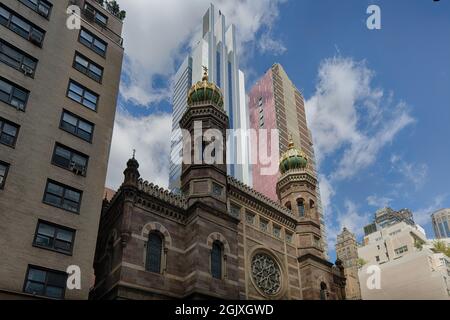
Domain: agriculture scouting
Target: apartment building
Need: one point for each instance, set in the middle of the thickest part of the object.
(441, 223)
(58, 94)
(409, 267)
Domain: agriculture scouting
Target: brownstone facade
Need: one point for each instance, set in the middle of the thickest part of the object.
(267, 251)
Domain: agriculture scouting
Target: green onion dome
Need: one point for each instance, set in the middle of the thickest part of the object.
(293, 158)
(205, 92)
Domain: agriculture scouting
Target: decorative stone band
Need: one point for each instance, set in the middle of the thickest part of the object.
(297, 175)
(260, 201)
(203, 109)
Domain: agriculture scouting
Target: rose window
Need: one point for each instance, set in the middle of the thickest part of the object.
(266, 274)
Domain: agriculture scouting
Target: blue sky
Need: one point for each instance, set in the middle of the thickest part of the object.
(383, 93)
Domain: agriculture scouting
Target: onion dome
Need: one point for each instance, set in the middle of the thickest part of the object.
(132, 163)
(293, 158)
(205, 92)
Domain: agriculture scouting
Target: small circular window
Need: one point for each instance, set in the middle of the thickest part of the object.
(266, 274)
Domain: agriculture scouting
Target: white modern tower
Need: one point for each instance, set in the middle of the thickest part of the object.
(217, 51)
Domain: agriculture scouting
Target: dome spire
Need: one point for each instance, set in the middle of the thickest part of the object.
(205, 92)
(205, 74)
(293, 158)
(291, 141)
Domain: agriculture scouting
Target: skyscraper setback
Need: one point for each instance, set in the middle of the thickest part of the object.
(276, 104)
(216, 50)
(58, 94)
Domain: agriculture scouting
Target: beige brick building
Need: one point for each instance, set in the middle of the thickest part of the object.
(58, 94)
(220, 238)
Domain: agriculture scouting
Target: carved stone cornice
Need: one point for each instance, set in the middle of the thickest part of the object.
(204, 110)
(299, 175)
(315, 258)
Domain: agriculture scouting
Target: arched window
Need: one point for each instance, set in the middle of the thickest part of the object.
(323, 291)
(311, 204)
(288, 205)
(216, 260)
(154, 253)
(301, 207)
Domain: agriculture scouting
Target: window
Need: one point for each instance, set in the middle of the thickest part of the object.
(316, 242)
(62, 196)
(13, 95)
(263, 225)
(22, 27)
(235, 211)
(89, 68)
(77, 126)
(70, 159)
(301, 207)
(250, 218)
(377, 258)
(54, 237)
(216, 260)
(401, 250)
(40, 6)
(93, 14)
(17, 59)
(44, 282)
(323, 291)
(82, 95)
(288, 205)
(217, 189)
(4, 167)
(277, 231)
(93, 42)
(288, 237)
(8, 132)
(154, 252)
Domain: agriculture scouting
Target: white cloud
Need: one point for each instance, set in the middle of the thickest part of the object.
(416, 173)
(326, 194)
(348, 114)
(351, 219)
(268, 44)
(148, 135)
(422, 216)
(378, 202)
(156, 32)
(351, 122)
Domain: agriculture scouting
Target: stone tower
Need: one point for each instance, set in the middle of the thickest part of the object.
(296, 190)
(204, 170)
(204, 186)
(347, 252)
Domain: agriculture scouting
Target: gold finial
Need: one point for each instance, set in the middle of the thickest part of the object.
(291, 141)
(205, 74)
